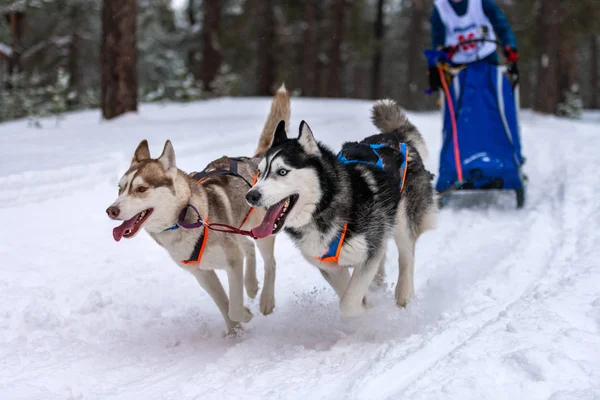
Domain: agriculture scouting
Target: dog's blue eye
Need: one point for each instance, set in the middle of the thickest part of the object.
(282, 172)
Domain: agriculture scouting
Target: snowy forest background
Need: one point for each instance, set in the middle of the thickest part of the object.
(53, 53)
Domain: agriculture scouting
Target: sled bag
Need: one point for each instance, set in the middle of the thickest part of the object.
(488, 130)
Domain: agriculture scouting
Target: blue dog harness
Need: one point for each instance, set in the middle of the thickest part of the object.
(333, 252)
(402, 148)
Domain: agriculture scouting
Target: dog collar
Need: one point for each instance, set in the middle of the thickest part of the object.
(181, 220)
(198, 250)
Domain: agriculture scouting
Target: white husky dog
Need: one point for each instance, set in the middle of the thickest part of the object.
(174, 208)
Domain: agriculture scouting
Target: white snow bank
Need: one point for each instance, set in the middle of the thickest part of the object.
(507, 300)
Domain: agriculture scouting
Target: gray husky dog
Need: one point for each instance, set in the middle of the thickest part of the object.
(340, 210)
(174, 208)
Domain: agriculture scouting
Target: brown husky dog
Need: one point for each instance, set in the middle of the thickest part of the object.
(170, 204)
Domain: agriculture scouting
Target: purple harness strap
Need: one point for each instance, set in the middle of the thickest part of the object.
(200, 222)
(180, 221)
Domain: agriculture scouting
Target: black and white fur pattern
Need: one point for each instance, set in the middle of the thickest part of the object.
(327, 194)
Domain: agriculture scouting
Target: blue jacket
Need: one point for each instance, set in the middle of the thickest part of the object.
(494, 14)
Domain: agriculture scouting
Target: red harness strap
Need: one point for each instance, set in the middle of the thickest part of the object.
(195, 259)
(457, 160)
(254, 179)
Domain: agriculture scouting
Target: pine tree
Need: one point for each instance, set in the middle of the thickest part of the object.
(572, 105)
(163, 70)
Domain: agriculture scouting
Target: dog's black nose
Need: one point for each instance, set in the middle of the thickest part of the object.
(253, 197)
(113, 212)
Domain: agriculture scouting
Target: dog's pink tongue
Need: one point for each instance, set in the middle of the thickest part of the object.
(120, 230)
(266, 227)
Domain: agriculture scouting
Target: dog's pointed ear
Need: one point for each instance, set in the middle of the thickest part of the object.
(280, 135)
(167, 158)
(141, 153)
(307, 139)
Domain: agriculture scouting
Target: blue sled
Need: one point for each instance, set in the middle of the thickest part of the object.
(489, 139)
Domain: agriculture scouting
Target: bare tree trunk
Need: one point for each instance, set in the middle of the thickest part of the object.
(594, 101)
(377, 52)
(567, 67)
(266, 47)
(526, 83)
(212, 56)
(16, 22)
(416, 62)
(321, 78)
(119, 58)
(310, 49)
(547, 94)
(334, 86)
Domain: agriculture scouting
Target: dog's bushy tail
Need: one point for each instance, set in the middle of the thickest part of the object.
(280, 111)
(388, 117)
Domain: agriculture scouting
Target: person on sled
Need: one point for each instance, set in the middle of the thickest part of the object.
(472, 27)
(481, 147)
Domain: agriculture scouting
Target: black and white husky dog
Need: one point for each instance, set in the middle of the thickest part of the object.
(341, 210)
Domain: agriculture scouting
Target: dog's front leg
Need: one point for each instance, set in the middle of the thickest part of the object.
(338, 278)
(352, 302)
(211, 283)
(267, 296)
(250, 281)
(379, 279)
(235, 275)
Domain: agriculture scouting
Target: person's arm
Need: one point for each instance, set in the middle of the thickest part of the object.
(438, 39)
(438, 30)
(500, 24)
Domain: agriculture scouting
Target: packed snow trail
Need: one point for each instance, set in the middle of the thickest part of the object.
(507, 302)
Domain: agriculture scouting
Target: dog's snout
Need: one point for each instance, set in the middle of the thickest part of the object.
(113, 212)
(253, 197)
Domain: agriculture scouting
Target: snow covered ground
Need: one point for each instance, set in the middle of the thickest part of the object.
(507, 307)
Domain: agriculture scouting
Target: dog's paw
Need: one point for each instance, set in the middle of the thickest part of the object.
(251, 287)
(267, 303)
(403, 295)
(234, 330)
(402, 302)
(244, 315)
(378, 282)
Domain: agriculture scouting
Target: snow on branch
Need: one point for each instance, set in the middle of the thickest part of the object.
(58, 41)
(5, 50)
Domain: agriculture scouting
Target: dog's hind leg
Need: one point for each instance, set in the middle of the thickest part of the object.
(210, 282)
(337, 278)
(266, 247)
(405, 287)
(235, 275)
(352, 302)
(250, 281)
